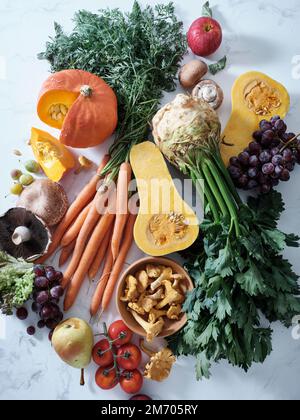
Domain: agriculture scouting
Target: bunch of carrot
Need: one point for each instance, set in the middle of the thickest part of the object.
(93, 234)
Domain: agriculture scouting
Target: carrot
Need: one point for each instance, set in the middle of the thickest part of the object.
(90, 222)
(74, 230)
(125, 247)
(121, 207)
(97, 297)
(100, 255)
(66, 253)
(79, 203)
(87, 258)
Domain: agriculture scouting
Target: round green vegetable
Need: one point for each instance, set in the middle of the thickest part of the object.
(26, 179)
(32, 166)
(15, 174)
(16, 189)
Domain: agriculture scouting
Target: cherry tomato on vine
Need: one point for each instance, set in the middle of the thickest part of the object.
(131, 381)
(129, 356)
(106, 377)
(102, 355)
(119, 333)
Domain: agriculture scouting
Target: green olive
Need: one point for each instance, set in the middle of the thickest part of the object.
(32, 166)
(26, 179)
(16, 174)
(16, 189)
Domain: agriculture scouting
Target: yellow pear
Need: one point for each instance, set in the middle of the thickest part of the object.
(73, 341)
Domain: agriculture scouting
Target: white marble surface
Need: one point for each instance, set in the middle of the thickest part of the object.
(261, 35)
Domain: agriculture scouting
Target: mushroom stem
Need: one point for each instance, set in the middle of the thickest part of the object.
(21, 234)
(146, 349)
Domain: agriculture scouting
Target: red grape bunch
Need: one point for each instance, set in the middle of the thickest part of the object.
(267, 160)
(46, 295)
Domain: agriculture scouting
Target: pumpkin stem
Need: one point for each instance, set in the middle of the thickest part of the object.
(86, 90)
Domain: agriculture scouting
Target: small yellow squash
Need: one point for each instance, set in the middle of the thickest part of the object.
(54, 158)
(165, 223)
(255, 97)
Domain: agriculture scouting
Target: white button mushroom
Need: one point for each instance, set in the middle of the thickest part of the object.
(210, 92)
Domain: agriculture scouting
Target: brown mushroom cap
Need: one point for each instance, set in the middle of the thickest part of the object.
(210, 92)
(46, 199)
(23, 234)
(191, 73)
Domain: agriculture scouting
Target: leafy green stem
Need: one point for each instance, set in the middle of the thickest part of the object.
(225, 194)
(219, 162)
(197, 177)
(214, 188)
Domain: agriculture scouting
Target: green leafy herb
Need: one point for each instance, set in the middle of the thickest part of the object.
(206, 10)
(137, 54)
(218, 66)
(237, 278)
(16, 282)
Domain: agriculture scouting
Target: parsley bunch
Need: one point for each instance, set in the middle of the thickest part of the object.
(137, 54)
(239, 281)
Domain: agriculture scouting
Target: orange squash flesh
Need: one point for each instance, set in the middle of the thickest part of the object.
(244, 121)
(91, 104)
(52, 98)
(54, 158)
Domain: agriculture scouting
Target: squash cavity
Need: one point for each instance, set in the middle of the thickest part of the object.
(165, 223)
(255, 96)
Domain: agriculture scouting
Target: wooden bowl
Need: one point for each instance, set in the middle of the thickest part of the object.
(171, 326)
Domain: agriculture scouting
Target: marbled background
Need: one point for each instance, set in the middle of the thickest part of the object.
(258, 35)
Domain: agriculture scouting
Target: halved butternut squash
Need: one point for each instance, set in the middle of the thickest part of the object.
(54, 158)
(255, 96)
(165, 223)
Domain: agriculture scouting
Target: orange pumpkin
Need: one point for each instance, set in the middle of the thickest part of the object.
(81, 105)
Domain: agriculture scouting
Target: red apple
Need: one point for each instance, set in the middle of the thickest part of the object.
(204, 36)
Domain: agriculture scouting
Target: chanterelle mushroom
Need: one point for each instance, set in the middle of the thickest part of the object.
(159, 294)
(147, 303)
(174, 311)
(155, 314)
(210, 92)
(160, 364)
(23, 234)
(131, 293)
(143, 281)
(152, 330)
(171, 295)
(165, 275)
(153, 271)
(136, 307)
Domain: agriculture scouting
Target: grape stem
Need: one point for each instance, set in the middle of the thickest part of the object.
(289, 142)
